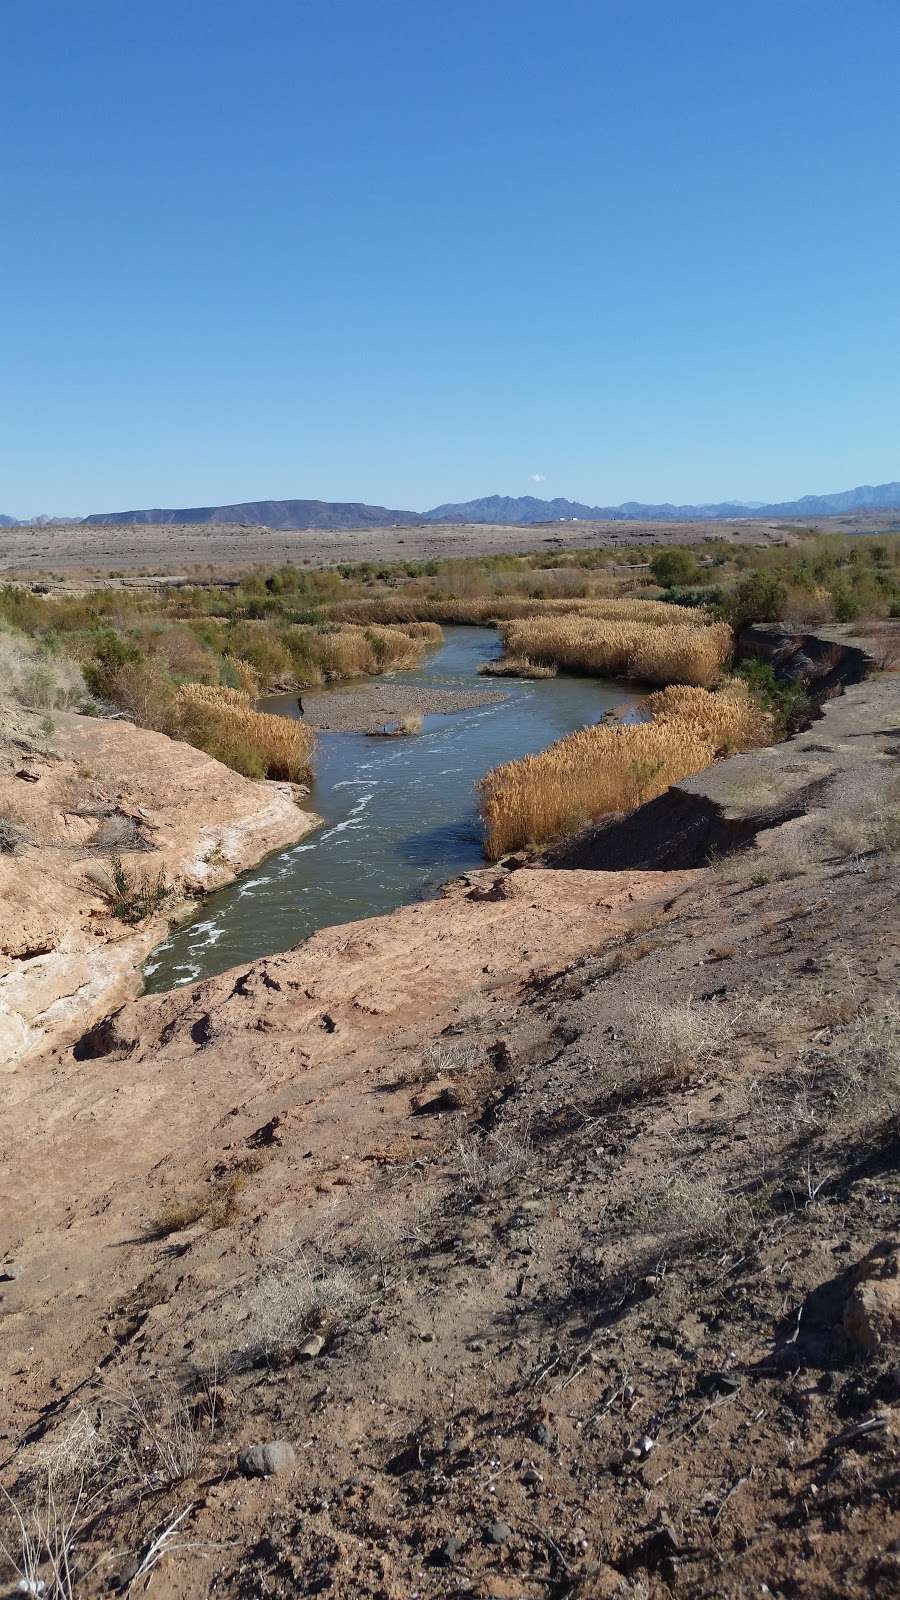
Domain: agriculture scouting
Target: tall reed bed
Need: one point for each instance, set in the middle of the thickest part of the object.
(349, 650)
(604, 769)
(224, 723)
(649, 652)
(480, 611)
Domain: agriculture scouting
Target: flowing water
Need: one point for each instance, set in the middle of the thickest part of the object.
(400, 814)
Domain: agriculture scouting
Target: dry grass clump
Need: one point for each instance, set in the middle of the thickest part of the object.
(224, 723)
(301, 1294)
(865, 823)
(246, 674)
(730, 718)
(516, 667)
(647, 651)
(485, 1165)
(866, 1063)
(673, 1042)
(608, 768)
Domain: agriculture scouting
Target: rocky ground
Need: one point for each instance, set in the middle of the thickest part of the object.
(542, 1240)
(215, 547)
(75, 793)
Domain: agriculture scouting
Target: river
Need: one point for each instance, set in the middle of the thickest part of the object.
(400, 814)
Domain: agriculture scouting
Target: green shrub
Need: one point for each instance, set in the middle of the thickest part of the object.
(760, 597)
(131, 898)
(674, 567)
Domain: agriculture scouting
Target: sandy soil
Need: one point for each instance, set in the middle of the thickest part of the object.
(535, 1222)
(197, 549)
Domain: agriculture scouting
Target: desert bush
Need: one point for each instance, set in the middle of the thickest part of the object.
(672, 567)
(661, 652)
(787, 703)
(485, 1165)
(760, 597)
(696, 1210)
(224, 723)
(131, 896)
(42, 678)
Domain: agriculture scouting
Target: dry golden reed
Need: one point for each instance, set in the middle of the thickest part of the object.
(648, 652)
(604, 769)
(480, 611)
(515, 667)
(351, 651)
(225, 724)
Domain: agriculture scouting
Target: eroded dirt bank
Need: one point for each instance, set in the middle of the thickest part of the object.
(551, 1231)
(70, 800)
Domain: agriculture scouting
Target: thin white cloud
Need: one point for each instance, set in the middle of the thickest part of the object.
(538, 477)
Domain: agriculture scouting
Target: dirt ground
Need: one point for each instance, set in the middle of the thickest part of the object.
(548, 1235)
(203, 549)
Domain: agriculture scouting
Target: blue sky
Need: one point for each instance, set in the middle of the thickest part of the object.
(406, 252)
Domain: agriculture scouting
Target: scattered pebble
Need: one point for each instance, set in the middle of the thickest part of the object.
(499, 1533)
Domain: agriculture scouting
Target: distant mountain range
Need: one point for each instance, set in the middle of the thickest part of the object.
(284, 515)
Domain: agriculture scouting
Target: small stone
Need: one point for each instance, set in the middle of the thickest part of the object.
(452, 1548)
(10, 1271)
(499, 1533)
(267, 1460)
(532, 1476)
(533, 1205)
(543, 1435)
(425, 1336)
(313, 1347)
(872, 1312)
(476, 1345)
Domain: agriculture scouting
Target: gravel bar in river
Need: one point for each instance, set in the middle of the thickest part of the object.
(369, 707)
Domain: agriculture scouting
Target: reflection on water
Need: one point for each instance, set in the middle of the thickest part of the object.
(400, 814)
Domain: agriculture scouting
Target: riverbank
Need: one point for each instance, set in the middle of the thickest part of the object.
(76, 794)
(549, 1226)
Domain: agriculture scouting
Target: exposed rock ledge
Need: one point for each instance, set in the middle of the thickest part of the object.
(71, 799)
